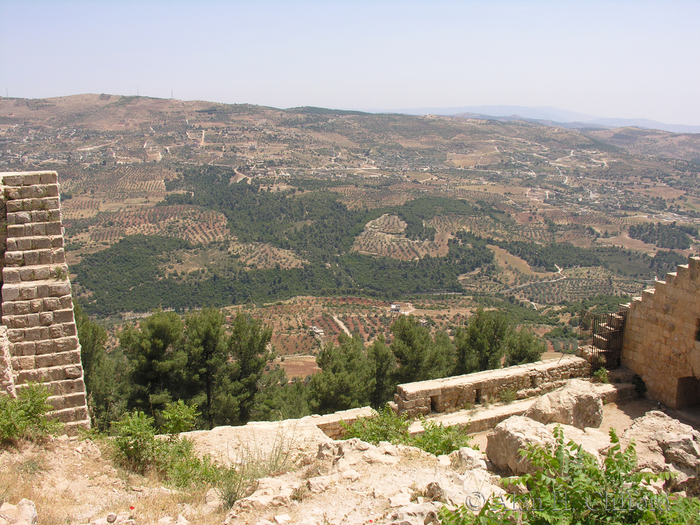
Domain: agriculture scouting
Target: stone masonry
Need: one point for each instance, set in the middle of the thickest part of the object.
(37, 308)
(661, 337)
(454, 393)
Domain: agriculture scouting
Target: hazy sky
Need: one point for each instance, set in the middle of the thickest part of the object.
(627, 59)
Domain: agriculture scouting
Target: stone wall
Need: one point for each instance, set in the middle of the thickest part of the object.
(660, 341)
(453, 393)
(37, 308)
(332, 424)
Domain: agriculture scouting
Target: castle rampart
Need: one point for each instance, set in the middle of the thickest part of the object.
(37, 309)
(454, 393)
(661, 340)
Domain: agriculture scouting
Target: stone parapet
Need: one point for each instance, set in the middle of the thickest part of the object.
(332, 424)
(37, 307)
(454, 393)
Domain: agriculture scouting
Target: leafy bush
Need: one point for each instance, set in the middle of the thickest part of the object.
(135, 443)
(24, 417)
(385, 425)
(601, 375)
(507, 395)
(139, 449)
(179, 417)
(438, 440)
(569, 487)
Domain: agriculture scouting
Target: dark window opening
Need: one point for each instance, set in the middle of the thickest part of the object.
(477, 396)
(434, 404)
(687, 392)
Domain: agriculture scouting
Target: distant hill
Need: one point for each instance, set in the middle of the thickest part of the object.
(547, 115)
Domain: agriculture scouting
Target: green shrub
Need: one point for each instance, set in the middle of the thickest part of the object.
(438, 440)
(139, 449)
(569, 487)
(135, 442)
(386, 425)
(601, 375)
(507, 396)
(24, 417)
(179, 417)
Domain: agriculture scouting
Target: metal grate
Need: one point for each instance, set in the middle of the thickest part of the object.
(603, 333)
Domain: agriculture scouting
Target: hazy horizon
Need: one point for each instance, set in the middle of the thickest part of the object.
(616, 59)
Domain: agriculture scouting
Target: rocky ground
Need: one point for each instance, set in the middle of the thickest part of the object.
(73, 480)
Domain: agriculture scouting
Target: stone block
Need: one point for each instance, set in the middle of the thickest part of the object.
(16, 335)
(24, 244)
(20, 217)
(46, 318)
(41, 243)
(8, 309)
(15, 321)
(59, 289)
(56, 242)
(33, 257)
(14, 258)
(55, 331)
(27, 292)
(12, 180)
(36, 229)
(67, 302)
(13, 205)
(68, 386)
(33, 375)
(24, 348)
(33, 334)
(63, 316)
(15, 230)
(23, 363)
(11, 275)
(50, 203)
(10, 292)
(44, 347)
(50, 177)
(68, 401)
(65, 344)
(30, 179)
(52, 303)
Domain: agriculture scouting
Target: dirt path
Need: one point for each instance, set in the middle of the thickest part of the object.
(342, 325)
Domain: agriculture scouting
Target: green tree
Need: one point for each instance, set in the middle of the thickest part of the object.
(157, 363)
(204, 342)
(410, 346)
(241, 375)
(105, 373)
(417, 354)
(383, 366)
(482, 344)
(92, 344)
(345, 380)
(523, 347)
